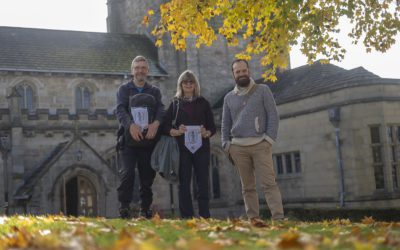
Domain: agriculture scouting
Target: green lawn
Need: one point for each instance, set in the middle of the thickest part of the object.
(59, 232)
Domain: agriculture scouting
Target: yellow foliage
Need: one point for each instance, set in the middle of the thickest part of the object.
(150, 12)
(278, 25)
(159, 43)
(145, 20)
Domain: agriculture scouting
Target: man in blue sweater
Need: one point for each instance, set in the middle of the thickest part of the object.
(135, 155)
(250, 124)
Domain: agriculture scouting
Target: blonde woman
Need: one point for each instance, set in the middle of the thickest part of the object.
(193, 114)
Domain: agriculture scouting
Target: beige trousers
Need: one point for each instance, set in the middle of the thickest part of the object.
(252, 161)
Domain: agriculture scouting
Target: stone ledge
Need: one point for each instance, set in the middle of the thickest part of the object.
(62, 114)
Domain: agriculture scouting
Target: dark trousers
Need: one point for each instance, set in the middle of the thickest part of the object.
(132, 156)
(199, 161)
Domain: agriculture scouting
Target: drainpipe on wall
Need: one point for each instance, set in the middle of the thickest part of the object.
(334, 118)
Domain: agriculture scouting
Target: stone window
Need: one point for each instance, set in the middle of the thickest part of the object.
(393, 132)
(279, 164)
(27, 96)
(83, 97)
(377, 159)
(287, 163)
(297, 162)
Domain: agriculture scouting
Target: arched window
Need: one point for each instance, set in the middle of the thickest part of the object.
(26, 92)
(83, 96)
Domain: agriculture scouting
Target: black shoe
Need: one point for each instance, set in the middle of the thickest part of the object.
(125, 213)
(148, 214)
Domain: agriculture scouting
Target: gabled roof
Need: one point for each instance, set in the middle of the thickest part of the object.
(43, 50)
(25, 191)
(315, 79)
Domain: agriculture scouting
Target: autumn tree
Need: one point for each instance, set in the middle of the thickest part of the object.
(270, 28)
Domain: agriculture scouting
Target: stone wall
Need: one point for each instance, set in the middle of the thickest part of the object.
(55, 120)
(305, 127)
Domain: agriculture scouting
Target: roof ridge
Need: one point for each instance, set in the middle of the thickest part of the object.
(70, 31)
(67, 51)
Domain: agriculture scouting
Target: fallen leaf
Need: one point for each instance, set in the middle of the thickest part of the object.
(191, 223)
(181, 243)
(224, 242)
(3, 220)
(368, 220)
(290, 240)
(156, 219)
(362, 246)
(263, 243)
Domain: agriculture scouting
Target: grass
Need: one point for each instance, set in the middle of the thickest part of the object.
(60, 232)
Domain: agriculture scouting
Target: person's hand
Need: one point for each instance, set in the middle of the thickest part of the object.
(178, 132)
(182, 129)
(174, 132)
(204, 133)
(152, 130)
(135, 132)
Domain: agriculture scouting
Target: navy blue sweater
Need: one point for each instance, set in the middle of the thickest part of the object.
(129, 89)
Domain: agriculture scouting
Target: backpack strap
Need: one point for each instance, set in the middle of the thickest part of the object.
(173, 122)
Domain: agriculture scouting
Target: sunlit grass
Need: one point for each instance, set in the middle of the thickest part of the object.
(55, 232)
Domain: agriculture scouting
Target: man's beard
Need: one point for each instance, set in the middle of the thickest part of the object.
(243, 81)
(140, 78)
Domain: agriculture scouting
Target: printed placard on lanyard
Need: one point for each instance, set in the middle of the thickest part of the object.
(140, 117)
(193, 139)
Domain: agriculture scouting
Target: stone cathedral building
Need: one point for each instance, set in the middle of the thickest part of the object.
(58, 127)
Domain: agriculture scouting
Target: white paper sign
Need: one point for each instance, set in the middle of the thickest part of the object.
(193, 139)
(140, 117)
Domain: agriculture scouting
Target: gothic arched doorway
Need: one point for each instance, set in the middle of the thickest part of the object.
(80, 197)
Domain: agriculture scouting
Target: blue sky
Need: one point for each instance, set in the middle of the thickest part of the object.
(90, 15)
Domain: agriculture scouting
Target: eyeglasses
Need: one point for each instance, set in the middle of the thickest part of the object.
(187, 82)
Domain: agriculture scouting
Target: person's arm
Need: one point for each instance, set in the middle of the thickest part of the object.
(153, 127)
(167, 125)
(123, 115)
(209, 128)
(160, 113)
(122, 109)
(226, 125)
(272, 121)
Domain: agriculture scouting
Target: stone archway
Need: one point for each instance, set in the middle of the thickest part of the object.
(95, 184)
(80, 197)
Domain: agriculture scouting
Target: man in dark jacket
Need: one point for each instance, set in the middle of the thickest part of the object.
(136, 155)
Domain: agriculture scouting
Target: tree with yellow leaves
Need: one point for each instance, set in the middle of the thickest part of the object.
(271, 27)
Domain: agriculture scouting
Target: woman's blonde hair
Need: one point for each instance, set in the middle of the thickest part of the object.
(187, 75)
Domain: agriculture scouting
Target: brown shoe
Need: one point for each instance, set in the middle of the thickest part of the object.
(256, 222)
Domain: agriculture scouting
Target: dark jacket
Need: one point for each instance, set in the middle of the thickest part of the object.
(197, 112)
(128, 89)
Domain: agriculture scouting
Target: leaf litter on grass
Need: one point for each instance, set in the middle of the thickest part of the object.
(61, 232)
